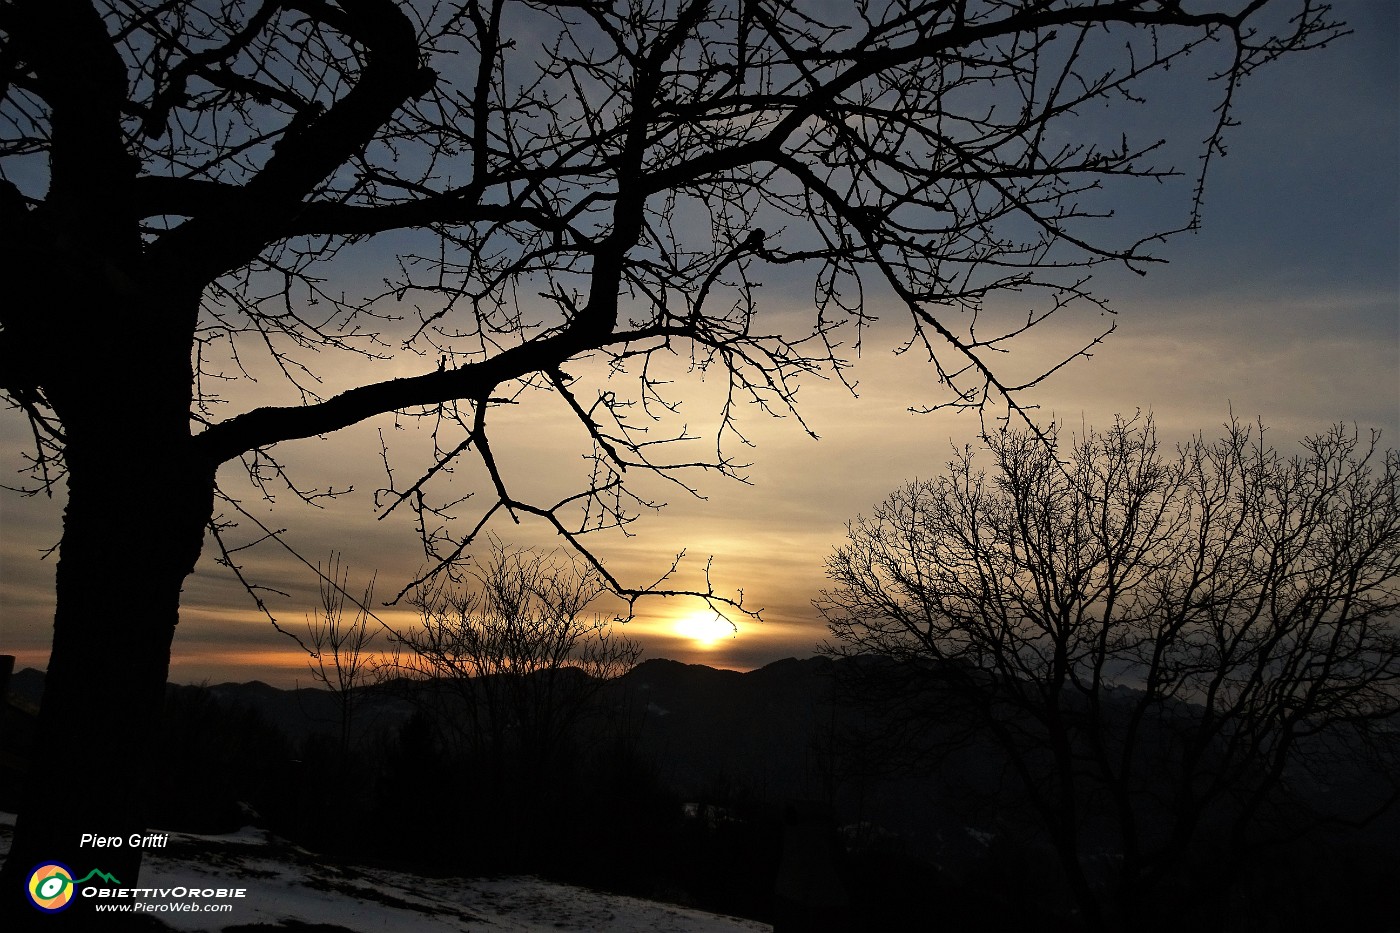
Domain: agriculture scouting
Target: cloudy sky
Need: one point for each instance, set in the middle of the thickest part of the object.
(1285, 307)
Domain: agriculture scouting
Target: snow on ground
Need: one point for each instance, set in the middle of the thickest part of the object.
(287, 883)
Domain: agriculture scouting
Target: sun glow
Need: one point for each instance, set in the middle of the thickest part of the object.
(705, 628)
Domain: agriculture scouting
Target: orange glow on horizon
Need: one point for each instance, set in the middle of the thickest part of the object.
(282, 668)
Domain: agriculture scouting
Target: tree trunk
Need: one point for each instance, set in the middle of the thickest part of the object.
(138, 503)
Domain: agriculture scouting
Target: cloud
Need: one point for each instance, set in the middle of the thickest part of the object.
(1286, 306)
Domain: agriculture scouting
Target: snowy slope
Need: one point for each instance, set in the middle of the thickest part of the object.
(287, 883)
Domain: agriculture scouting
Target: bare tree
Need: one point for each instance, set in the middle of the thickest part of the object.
(508, 668)
(341, 656)
(566, 182)
(1160, 640)
(521, 653)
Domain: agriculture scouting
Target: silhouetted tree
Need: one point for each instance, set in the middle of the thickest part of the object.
(564, 182)
(341, 658)
(511, 664)
(518, 651)
(1156, 643)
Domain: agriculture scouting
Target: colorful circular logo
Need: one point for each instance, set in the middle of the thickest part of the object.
(51, 887)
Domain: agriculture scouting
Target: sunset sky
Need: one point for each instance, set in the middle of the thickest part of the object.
(1285, 307)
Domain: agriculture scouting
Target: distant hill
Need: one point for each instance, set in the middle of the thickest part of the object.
(304, 711)
(752, 731)
(732, 754)
(27, 686)
(774, 734)
(752, 728)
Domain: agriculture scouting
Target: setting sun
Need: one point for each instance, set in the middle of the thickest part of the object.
(706, 628)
